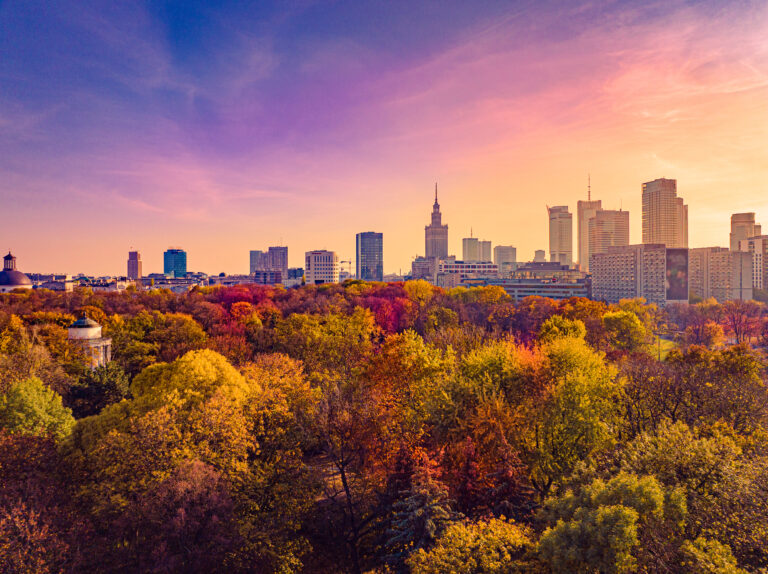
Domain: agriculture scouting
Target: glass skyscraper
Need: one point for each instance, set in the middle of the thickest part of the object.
(370, 256)
(175, 262)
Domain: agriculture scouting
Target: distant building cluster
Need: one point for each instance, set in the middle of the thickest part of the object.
(604, 265)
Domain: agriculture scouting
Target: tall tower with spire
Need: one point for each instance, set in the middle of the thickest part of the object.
(436, 234)
(585, 210)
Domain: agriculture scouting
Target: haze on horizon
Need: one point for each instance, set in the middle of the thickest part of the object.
(224, 127)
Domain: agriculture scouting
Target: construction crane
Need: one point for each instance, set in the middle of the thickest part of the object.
(349, 266)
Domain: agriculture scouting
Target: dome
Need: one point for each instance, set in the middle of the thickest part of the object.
(13, 278)
(84, 323)
(10, 277)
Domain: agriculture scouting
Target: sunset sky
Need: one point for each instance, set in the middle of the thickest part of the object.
(222, 127)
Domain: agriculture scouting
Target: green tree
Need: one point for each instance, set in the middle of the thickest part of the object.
(625, 331)
(558, 326)
(492, 546)
(29, 407)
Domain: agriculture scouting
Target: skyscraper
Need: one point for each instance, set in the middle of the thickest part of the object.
(436, 234)
(607, 228)
(134, 266)
(175, 262)
(585, 210)
(275, 259)
(560, 235)
(255, 262)
(470, 249)
(485, 251)
(665, 216)
(743, 226)
(370, 256)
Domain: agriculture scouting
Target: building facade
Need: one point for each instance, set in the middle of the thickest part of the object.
(651, 271)
(585, 210)
(665, 216)
(321, 267)
(470, 249)
(505, 256)
(743, 227)
(436, 234)
(757, 247)
(369, 248)
(274, 259)
(608, 228)
(134, 266)
(424, 268)
(175, 262)
(560, 235)
(720, 273)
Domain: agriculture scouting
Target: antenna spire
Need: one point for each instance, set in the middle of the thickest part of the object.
(435, 191)
(589, 187)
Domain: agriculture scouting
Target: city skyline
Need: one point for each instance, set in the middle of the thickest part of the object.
(224, 129)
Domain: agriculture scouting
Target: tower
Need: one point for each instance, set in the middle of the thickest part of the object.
(665, 216)
(436, 234)
(560, 235)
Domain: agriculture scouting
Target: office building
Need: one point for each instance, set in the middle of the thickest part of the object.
(424, 268)
(436, 234)
(560, 235)
(757, 247)
(255, 262)
(743, 226)
(485, 251)
(608, 228)
(720, 273)
(470, 249)
(539, 256)
(175, 262)
(321, 267)
(274, 259)
(505, 256)
(585, 210)
(134, 266)
(369, 248)
(665, 216)
(543, 279)
(651, 271)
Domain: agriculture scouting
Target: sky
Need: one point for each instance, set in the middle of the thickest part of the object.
(227, 126)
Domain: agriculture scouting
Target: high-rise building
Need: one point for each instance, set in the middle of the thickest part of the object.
(607, 228)
(436, 234)
(539, 256)
(743, 226)
(665, 216)
(370, 256)
(651, 271)
(321, 267)
(485, 251)
(175, 262)
(560, 235)
(585, 210)
(470, 249)
(720, 273)
(424, 268)
(256, 261)
(134, 266)
(505, 256)
(274, 259)
(758, 248)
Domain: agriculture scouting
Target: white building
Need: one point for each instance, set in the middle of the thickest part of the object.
(321, 267)
(608, 228)
(720, 273)
(87, 333)
(758, 248)
(470, 249)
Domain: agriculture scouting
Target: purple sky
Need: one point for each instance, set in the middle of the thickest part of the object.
(223, 127)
